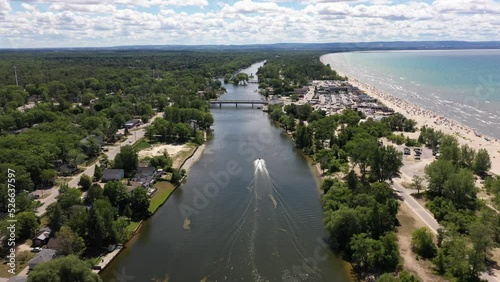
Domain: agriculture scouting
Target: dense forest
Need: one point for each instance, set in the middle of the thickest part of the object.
(290, 70)
(67, 105)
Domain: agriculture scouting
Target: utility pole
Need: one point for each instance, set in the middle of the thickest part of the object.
(15, 73)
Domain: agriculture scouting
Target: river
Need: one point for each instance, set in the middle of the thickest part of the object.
(250, 210)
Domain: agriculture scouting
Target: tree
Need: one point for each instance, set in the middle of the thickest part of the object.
(422, 244)
(77, 220)
(117, 194)
(449, 149)
(98, 172)
(389, 258)
(75, 157)
(482, 242)
(163, 161)
(70, 242)
(417, 183)
(90, 146)
(96, 228)
(85, 182)
(139, 204)
(460, 188)
(27, 225)
(127, 160)
(364, 251)
(342, 225)
(63, 269)
(361, 150)
(48, 176)
(437, 174)
(68, 197)
(56, 216)
(95, 192)
(176, 176)
(122, 233)
(304, 137)
(456, 258)
(127, 212)
(467, 156)
(482, 162)
(182, 131)
(386, 163)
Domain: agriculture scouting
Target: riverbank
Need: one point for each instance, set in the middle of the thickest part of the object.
(465, 135)
(186, 164)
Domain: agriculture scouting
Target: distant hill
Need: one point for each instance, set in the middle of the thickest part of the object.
(332, 47)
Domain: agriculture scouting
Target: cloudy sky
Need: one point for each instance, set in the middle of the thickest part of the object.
(86, 23)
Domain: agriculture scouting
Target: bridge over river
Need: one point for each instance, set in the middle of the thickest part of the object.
(236, 102)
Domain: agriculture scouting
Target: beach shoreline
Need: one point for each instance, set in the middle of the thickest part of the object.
(464, 134)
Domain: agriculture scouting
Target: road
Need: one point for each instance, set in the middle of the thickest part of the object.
(410, 168)
(135, 134)
(416, 207)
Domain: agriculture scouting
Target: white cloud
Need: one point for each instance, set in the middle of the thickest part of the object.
(97, 8)
(4, 8)
(104, 23)
(28, 7)
(140, 3)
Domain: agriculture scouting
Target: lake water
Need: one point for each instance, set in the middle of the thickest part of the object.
(249, 211)
(460, 84)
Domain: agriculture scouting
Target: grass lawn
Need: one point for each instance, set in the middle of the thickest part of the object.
(94, 261)
(164, 190)
(132, 226)
(22, 259)
(141, 145)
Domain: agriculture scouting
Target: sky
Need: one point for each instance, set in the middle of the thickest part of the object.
(100, 23)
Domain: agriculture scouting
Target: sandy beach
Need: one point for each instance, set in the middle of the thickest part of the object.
(464, 134)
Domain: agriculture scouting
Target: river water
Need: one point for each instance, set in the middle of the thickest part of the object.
(250, 210)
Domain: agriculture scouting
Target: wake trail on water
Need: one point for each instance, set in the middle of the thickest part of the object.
(265, 185)
(264, 203)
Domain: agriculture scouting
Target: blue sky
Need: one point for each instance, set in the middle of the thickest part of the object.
(75, 23)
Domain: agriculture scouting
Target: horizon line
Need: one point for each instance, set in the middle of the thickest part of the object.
(265, 44)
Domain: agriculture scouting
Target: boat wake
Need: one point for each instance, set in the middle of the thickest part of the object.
(265, 227)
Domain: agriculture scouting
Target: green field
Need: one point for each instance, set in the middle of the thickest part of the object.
(164, 190)
(141, 145)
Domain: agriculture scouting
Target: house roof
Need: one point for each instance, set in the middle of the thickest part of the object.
(133, 185)
(146, 170)
(85, 140)
(43, 236)
(133, 121)
(54, 244)
(112, 174)
(43, 256)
